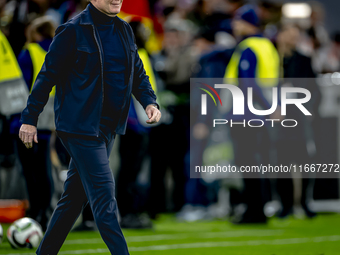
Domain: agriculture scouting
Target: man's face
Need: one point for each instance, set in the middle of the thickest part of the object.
(239, 27)
(109, 7)
(288, 38)
(242, 28)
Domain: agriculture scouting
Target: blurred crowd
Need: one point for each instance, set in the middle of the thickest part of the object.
(186, 39)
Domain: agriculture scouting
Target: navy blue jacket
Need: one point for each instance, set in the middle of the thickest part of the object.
(74, 63)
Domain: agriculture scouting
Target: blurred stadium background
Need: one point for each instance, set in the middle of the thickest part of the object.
(163, 211)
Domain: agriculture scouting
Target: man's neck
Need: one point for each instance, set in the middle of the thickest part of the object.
(107, 14)
(99, 17)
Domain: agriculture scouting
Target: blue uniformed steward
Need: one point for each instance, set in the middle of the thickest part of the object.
(254, 64)
(94, 63)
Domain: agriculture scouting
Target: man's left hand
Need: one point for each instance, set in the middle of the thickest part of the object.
(153, 113)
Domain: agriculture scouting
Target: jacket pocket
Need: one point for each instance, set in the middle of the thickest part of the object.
(87, 58)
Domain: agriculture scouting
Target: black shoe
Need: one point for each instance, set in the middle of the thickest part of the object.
(136, 221)
(285, 212)
(249, 219)
(86, 226)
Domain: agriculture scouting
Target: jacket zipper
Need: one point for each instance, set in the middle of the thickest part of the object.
(101, 70)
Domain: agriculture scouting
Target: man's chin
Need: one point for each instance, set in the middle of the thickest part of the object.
(112, 13)
(115, 12)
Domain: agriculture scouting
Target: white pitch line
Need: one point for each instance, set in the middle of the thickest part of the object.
(207, 245)
(152, 238)
(236, 243)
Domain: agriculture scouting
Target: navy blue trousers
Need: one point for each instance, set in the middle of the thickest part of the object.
(89, 180)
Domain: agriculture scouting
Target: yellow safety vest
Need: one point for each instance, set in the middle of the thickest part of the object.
(37, 54)
(143, 54)
(268, 62)
(9, 67)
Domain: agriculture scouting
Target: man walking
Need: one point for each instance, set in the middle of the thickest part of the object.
(93, 62)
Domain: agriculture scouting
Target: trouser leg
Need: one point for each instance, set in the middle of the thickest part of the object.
(91, 161)
(65, 214)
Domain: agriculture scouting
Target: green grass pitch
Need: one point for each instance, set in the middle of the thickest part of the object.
(318, 236)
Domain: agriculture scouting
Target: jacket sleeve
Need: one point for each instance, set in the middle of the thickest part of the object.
(53, 71)
(141, 87)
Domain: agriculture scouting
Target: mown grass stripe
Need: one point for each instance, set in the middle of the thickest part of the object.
(206, 245)
(152, 238)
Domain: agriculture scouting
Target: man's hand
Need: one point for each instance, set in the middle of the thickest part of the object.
(27, 134)
(153, 113)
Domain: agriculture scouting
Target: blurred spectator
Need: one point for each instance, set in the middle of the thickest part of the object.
(10, 78)
(327, 59)
(215, 15)
(177, 57)
(36, 162)
(317, 30)
(204, 42)
(212, 64)
(131, 196)
(232, 6)
(270, 17)
(75, 7)
(254, 57)
(314, 40)
(292, 142)
(175, 65)
(213, 61)
(20, 14)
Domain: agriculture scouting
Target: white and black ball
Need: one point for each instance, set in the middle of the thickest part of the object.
(25, 233)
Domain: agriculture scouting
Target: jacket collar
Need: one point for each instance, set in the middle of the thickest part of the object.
(86, 18)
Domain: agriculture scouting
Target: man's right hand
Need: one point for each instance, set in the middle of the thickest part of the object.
(27, 134)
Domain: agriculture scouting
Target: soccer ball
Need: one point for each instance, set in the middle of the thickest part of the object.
(1, 233)
(25, 233)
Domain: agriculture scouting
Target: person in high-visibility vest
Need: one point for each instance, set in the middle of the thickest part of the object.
(38, 176)
(255, 64)
(9, 71)
(9, 66)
